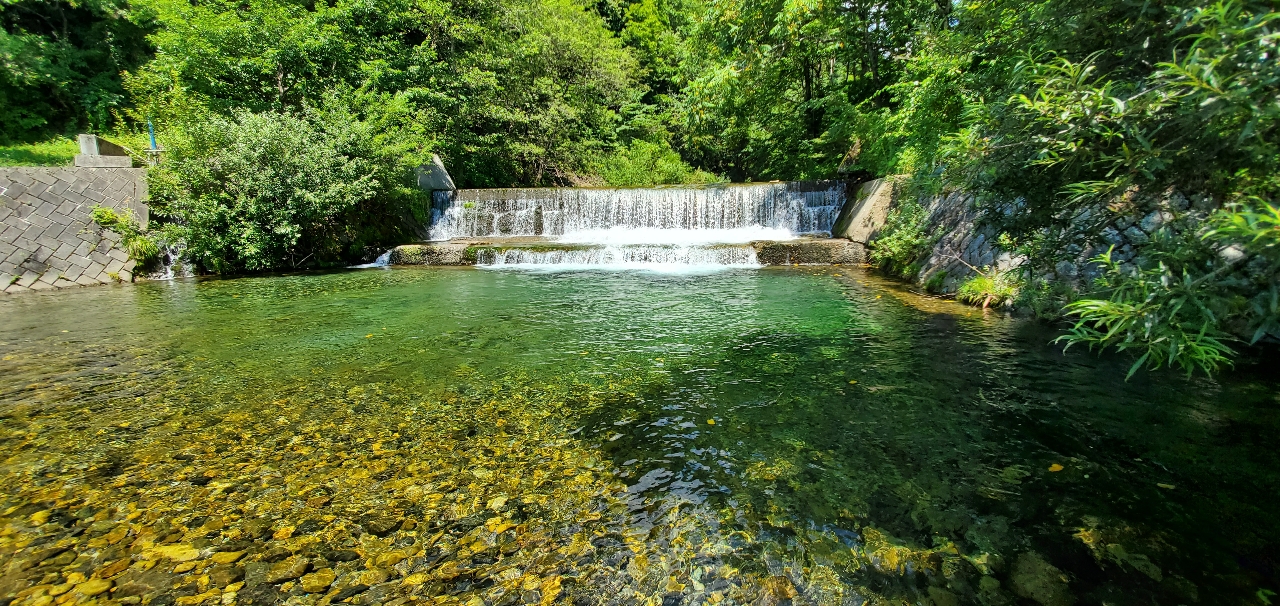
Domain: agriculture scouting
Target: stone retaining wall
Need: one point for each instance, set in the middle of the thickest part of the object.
(962, 244)
(47, 239)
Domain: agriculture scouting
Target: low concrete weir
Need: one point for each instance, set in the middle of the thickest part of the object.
(529, 252)
(674, 227)
(798, 207)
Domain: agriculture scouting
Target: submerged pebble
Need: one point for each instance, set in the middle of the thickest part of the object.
(290, 470)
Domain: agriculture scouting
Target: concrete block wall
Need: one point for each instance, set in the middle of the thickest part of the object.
(962, 242)
(47, 238)
(865, 211)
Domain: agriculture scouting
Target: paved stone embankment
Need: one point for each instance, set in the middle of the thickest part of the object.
(962, 244)
(801, 251)
(47, 238)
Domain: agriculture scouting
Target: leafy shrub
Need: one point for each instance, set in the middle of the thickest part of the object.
(261, 191)
(904, 239)
(1045, 299)
(936, 282)
(1167, 316)
(1189, 298)
(989, 288)
(644, 163)
(141, 246)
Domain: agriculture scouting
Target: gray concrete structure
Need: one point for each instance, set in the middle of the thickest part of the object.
(96, 152)
(47, 238)
(865, 212)
(433, 176)
(469, 251)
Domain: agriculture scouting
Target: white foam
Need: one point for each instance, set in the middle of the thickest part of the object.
(648, 257)
(383, 260)
(622, 236)
(658, 268)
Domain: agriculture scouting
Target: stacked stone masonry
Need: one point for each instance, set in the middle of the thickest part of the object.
(962, 245)
(47, 238)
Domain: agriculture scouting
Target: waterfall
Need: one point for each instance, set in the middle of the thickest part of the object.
(790, 209)
(383, 260)
(171, 264)
(677, 228)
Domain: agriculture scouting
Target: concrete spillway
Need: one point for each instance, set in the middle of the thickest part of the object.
(536, 253)
(803, 207)
(660, 228)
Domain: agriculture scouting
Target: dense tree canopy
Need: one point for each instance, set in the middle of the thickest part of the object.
(494, 87)
(545, 91)
(60, 64)
(1057, 115)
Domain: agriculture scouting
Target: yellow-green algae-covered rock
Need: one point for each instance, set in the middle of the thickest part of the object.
(318, 581)
(1039, 580)
(336, 490)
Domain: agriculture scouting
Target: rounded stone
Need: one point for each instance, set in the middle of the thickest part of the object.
(93, 587)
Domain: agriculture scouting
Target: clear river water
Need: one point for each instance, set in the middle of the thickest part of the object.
(482, 437)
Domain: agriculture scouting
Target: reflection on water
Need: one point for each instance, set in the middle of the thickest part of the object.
(750, 436)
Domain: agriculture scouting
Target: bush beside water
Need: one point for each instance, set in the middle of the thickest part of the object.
(274, 190)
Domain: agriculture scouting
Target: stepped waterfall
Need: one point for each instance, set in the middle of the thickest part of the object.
(658, 227)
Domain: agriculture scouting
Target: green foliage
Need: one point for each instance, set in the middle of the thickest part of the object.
(524, 92)
(936, 282)
(141, 246)
(1188, 298)
(1044, 299)
(1111, 122)
(643, 163)
(902, 242)
(1075, 141)
(269, 190)
(652, 31)
(60, 64)
(59, 151)
(1159, 311)
(989, 288)
(781, 90)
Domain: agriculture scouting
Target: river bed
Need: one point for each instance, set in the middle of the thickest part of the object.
(452, 435)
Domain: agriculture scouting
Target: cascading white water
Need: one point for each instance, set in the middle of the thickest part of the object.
(383, 260)
(662, 228)
(798, 208)
(650, 257)
(172, 264)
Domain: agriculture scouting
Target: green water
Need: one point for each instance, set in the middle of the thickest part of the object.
(809, 436)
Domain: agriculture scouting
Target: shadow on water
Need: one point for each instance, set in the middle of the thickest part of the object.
(966, 442)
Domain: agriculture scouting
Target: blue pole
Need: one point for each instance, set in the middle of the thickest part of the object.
(152, 131)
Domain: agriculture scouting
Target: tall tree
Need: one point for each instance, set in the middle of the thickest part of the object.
(511, 93)
(60, 64)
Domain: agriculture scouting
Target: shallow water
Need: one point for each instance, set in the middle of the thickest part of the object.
(792, 435)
